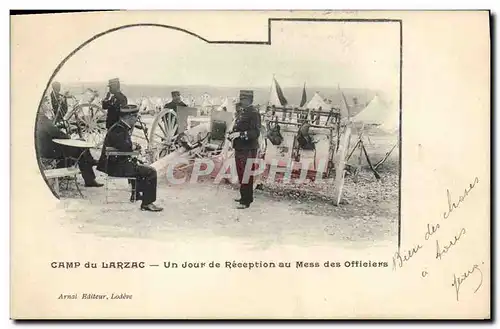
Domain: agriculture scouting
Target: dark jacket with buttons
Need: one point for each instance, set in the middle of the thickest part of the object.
(248, 120)
(118, 137)
(112, 103)
(173, 105)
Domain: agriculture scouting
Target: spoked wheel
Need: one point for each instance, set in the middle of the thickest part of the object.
(162, 135)
(89, 122)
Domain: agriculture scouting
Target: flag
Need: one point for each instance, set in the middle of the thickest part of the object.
(304, 97)
(280, 94)
(345, 112)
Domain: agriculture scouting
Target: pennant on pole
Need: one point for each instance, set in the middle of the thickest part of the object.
(280, 94)
(347, 114)
(304, 96)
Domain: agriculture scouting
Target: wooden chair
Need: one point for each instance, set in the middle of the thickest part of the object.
(51, 172)
(110, 151)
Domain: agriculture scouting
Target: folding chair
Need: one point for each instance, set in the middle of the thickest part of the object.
(110, 151)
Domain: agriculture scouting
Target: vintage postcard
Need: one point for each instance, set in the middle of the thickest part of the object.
(251, 165)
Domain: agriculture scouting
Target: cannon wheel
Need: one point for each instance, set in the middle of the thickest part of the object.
(340, 166)
(162, 134)
(90, 122)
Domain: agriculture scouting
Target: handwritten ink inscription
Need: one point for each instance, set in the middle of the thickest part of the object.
(443, 246)
(452, 205)
(441, 252)
(399, 259)
(458, 281)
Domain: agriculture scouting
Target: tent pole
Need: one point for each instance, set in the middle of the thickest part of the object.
(352, 152)
(377, 175)
(386, 156)
(270, 89)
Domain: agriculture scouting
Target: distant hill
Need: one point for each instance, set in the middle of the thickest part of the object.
(293, 94)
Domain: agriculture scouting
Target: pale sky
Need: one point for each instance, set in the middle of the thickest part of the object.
(354, 55)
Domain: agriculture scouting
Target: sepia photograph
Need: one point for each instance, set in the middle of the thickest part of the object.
(250, 165)
(297, 137)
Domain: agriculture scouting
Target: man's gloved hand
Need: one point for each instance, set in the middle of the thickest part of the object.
(137, 147)
(234, 135)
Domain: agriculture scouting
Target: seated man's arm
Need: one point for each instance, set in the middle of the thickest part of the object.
(54, 132)
(121, 141)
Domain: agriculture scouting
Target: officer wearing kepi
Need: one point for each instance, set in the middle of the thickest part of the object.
(119, 138)
(113, 101)
(245, 136)
(176, 101)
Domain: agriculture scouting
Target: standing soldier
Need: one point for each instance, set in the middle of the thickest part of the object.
(245, 135)
(176, 101)
(59, 102)
(113, 101)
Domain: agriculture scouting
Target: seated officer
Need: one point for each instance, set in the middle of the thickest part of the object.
(119, 138)
(45, 132)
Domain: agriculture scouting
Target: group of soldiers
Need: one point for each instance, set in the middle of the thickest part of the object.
(120, 120)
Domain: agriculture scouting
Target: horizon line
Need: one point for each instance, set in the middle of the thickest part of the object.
(104, 84)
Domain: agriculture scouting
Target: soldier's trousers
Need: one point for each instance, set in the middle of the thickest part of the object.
(145, 186)
(85, 161)
(246, 187)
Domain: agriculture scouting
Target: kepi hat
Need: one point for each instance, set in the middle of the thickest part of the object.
(113, 81)
(246, 94)
(129, 109)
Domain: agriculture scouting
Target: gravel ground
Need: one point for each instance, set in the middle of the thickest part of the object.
(285, 215)
(281, 214)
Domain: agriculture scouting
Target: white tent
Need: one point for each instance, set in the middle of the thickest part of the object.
(391, 122)
(224, 103)
(376, 112)
(207, 103)
(316, 102)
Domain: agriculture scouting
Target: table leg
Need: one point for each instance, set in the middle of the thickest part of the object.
(56, 185)
(78, 188)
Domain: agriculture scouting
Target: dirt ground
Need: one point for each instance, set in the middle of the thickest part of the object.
(298, 215)
(282, 213)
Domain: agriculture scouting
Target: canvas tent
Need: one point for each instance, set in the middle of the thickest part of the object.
(224, 103)
(391, 122)
(376, 112)
(316, 102)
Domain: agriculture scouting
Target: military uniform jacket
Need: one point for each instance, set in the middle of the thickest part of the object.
(248, 120)
(59, 105)
(112, 103)
(44, 133)
(172, 105)
(118, 137)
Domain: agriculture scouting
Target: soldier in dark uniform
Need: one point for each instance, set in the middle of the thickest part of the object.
(113, 101)
(245, 135)
(45, 132)
(59, 102)
(176, 101)
(119, 137)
